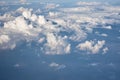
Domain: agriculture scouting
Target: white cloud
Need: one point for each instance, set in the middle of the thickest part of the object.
(6, 17)
(17, 65)
(56, 45)
(91, 46)
(4, 39)
(53, 14)
(102, 34)
(41, 40)
(5, 42)
(18, 24)
(105, 50)
(93, 64)
(23, 1)
(71, 24)
(27, 13)
(76, 9)
(57, 66)
(88, 3)
(41, 20)
(107, 27)
(51, 6)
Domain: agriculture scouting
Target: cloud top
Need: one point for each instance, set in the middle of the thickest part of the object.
(58, 29)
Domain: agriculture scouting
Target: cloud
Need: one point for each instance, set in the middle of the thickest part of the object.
(57, 66)
(23, 1)
(88, 3)
(17, 65)
(27, 13)
(4, 39)
(58, 30)
(105, 50)
(2, 3)
(56, 45)
(5, 42)
(6, 17)
(102, 34)
(76, 9)
(91, 46)
(107, 27)
(94, 64)
(51, 6)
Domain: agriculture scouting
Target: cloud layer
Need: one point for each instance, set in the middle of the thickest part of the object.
(58, 30)
(91, 46)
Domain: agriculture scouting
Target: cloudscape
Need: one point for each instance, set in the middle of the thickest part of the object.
(59, 40)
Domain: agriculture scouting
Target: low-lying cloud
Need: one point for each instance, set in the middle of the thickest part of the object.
(59, 30)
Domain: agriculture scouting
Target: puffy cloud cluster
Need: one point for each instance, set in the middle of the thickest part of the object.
(58, 30)
(57, 45)
(91, 46)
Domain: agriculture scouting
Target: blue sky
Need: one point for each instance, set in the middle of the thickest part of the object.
(60, 42)
(115, 2)
(68, 0)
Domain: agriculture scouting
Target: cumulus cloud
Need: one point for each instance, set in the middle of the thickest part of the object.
(91, 46)
(56, 45)
(58, 30)
(94, 64)
(4, 39)
(4, 42)
(6, 17)
(57, 66)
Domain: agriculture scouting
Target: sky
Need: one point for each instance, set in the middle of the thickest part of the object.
(111, 1)
(60, 42)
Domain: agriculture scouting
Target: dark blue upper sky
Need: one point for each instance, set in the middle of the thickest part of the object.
(115, 2)
(68, 0)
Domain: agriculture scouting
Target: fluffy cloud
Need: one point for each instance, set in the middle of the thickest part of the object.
(57, 66)
(5, 42)
(58, 30)
(6, 17)
(91, 46)
(4, 39)
(56, 45)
